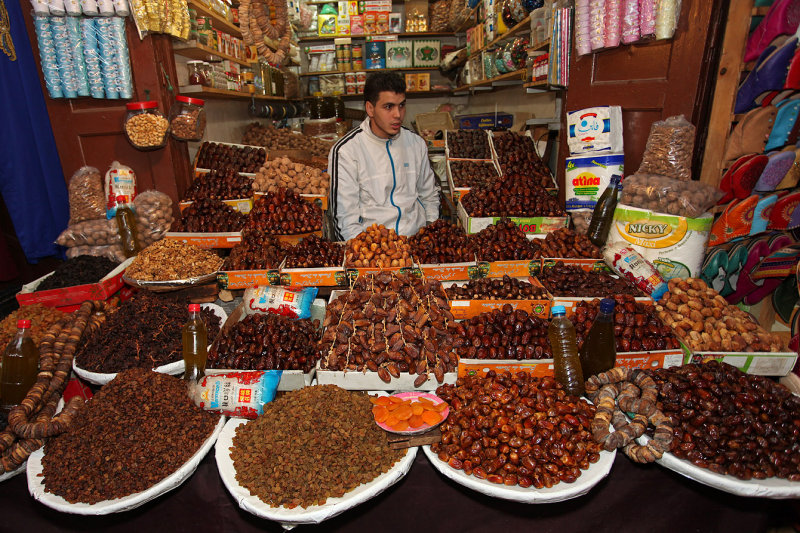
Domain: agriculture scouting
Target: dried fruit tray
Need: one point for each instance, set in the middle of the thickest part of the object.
(528, 225)
(463, 309)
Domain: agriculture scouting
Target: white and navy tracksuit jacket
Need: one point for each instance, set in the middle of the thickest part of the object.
(384, 181)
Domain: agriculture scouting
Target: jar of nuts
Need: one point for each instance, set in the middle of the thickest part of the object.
(187, 119)
(145, 126)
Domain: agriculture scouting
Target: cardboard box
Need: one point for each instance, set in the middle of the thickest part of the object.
(589, 265)
(756, 363)
(207, 240)
(243, 205)
(528, 225)
(243, 279)
(411, 82)
(449, 271)
(460, 192)
(434, 121)
(517, 268)
(427, 52)
(448, 155)
(375, 54)
(68, 299)
(496, 157)
(569, 303)
(326, 25)
(398, 54)
(464, 309)
(424, 82)
(485, 121)
(320, 199)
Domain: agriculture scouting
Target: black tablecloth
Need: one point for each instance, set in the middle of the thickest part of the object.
(632, 498)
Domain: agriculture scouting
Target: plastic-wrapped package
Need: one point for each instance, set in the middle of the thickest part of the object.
(582, 16)
(40, 8)
(56, 8)
(105, 7)
(91, 58)
(153, 216)
(647, 17)
(667, 13)
(76, 48)
(72, 7)
(48, 56)
(630, 21)
(630, 264)
(666, 195)
(597, 9)
(669, 149)
(89, 8)
(97, 232)
(113, 252)
(66, 67)
(86, 195)
(613, 23)
(108, 67)
(120, 180)
(116, 36)
(581, 220)
(121, 8)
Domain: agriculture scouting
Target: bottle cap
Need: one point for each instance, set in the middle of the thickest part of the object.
(194, 308)
(558, 310)
(607, 305)
(23, 324)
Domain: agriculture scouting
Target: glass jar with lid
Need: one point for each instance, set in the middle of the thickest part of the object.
(145, 126)
(187, 119)
(196, 74)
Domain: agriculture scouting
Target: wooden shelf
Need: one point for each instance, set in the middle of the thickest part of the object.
(218, 22)
(522, 27)
(405, 35)
(211, 93)
(539, 83)
(195, 50)
(368, 70)
(409, 94)
(517, 75)
(759, 11)
(540, 45)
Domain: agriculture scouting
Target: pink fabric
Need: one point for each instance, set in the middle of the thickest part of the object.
(613, 8)
(781, 19)
(630, 21)
(647, 17)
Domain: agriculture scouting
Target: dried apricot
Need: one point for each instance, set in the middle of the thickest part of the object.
(391, 420)
(424, 401)
(441, 406)
(403, 412)
(415, 421)
(401, 425)
(417, 408)
(395, 399)
(380, 413)
(431, 417)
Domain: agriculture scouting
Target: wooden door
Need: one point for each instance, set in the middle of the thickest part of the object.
(651, 81)
(89, 131)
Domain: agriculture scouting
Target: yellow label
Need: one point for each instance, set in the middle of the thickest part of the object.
(649, 234)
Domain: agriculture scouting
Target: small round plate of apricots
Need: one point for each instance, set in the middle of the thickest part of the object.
(409, 413)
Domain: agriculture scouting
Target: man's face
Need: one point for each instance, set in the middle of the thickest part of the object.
(386, 116)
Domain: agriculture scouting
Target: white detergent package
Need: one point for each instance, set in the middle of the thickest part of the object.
(595, 129)
(587, 176)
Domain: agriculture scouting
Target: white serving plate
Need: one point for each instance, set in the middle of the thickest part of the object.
(173, 369)
(9, 475)
(774, 487)
(557, 493)
(117, 505)
(300, 515)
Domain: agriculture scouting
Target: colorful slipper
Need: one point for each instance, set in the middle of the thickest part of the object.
(769, 75)
(722, 267)
(778, 165)
(792, 176)
(784, 121)
(745, 177)
(781, 19)
(784, 298)
(783, 210)
(762, 288)
(725, 183)
(761, 213)
(750, 135)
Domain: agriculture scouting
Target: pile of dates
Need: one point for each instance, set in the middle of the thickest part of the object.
(313, 252)
(571, 280)
(636, 325)
(207, 216)
(228, 156)
(441, 242)
(502, 334)
(378, 247)
(468, 144)
(472, 173)
(730, 422)
(284, 212)
(267, 342)
(564, 242)
(504, 241)
(507, 288)
(258, 250)
(390, 324)
(513, 195)
(220, 185)
(516, 430)
(517, 155)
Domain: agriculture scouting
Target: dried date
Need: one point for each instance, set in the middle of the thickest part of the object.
(284, 212)
(506, 288)
(571, 280)
(502, 334)
(208, 216)
(441, 242)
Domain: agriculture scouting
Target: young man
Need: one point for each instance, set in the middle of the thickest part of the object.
(380, 171)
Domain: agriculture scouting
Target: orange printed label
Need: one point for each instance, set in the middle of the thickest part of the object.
(245, 395)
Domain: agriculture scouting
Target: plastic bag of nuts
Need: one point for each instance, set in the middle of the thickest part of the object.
(669, 149)
(87, 199)
(667, 195)
(153, 215)
(145, 126)
(98, 232)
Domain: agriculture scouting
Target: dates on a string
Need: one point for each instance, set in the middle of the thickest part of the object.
(284, 212)
(208, 216)
(227, 156)
(267, 342)
(517, 155)
(258, 250)
(564, 242)
(441, 242)
(468, 144)
(507, 288)
(502, 334)
(636, 325)
(571, 280)
(504, 241)
(472, 173)
(219, 185)
(513, 195)
(313, 252)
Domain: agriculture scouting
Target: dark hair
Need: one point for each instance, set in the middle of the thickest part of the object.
(377, 82)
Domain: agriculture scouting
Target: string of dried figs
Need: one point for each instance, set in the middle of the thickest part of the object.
(137, 447)
(564, 242)
(267, 342)
(220, 185)
(284, 139)
(302, 430)
(378, 247)
(516, 430)
(441, 242)
(502, 334)
(517, 155)
(208, 216)
(571, 280)
(169, 259)
(258, 250)
(144, 332)
(314, 252)
(284, 212)
(504, 241)
(705, 321)
(390, 324)
(730, 422)
(228, 156)
(513, 195)
(472, 173)
(507, 288)
(283, 172)
(636, 325)
(468, 144)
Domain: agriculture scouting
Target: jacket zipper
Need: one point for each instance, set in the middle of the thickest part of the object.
(394, 185)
